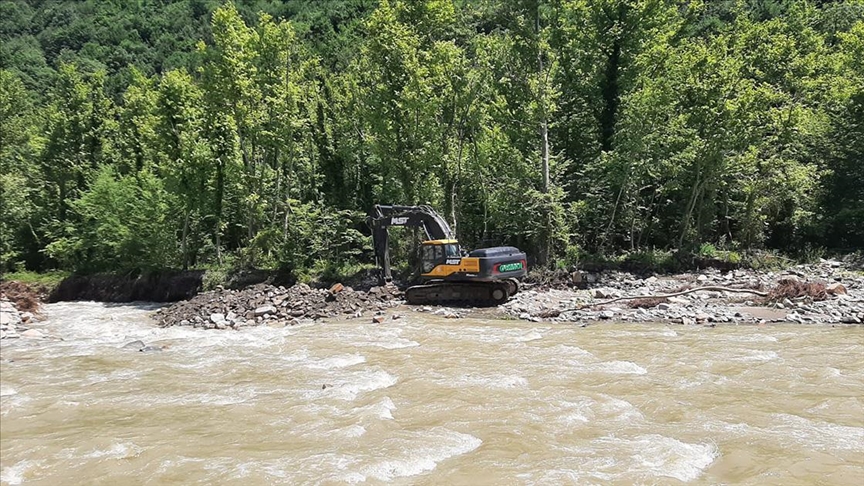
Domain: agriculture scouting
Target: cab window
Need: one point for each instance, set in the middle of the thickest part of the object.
(452, 251)
(432, 255)
(428, 258)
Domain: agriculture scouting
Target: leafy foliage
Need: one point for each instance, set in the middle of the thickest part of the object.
(198, 133)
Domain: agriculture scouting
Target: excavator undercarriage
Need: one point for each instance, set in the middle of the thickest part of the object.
(496, 292)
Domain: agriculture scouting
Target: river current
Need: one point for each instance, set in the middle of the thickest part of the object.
(429, 401)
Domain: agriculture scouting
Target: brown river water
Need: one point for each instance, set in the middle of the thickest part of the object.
(429, 401)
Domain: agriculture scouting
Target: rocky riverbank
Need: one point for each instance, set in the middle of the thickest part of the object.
(827, 292)
(15, 324)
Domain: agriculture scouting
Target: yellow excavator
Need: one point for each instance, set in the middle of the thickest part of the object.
(448, 273)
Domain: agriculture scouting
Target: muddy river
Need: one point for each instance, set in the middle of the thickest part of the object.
(430, 401)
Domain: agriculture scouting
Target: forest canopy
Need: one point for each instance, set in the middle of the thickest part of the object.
(174, 134)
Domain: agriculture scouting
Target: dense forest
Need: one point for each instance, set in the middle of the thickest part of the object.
(156, 134)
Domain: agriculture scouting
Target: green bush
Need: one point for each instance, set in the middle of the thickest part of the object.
(120, 223)
(707, 250)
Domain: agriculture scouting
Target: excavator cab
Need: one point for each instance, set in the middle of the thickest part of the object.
(437, 252)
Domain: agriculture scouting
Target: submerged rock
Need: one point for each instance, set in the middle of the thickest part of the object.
(33, 334)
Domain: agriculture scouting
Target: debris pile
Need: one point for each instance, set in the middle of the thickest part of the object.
(275, 306)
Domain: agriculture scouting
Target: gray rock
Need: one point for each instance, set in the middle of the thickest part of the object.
(607, 314)
(664, 306)
(214, 318)
(265, 309)
(850, 320)
(10, 317)
(151, 349)
(605, 293)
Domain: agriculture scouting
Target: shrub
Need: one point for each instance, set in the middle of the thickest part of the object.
(707, 250)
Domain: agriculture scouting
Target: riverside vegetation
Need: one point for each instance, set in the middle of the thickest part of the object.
(199, 134)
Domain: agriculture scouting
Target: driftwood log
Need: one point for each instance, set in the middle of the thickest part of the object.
(664, 296)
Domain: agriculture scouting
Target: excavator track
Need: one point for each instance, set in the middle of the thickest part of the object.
(483, 293)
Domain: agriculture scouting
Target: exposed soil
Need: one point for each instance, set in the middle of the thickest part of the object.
(24, 297)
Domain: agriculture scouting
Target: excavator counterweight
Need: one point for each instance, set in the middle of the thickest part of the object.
(448, 274)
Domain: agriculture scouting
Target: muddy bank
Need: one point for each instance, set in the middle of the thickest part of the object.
(156, 287)
(276, 306)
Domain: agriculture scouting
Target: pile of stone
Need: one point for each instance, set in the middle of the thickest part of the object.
(14, 324)
(276, 306)
(841, 299)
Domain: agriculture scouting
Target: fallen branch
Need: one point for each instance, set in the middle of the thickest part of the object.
(664, 296)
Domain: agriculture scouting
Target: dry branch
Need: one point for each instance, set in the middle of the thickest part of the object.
(675, 294)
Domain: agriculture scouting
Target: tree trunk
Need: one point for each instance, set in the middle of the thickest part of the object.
(685, 224)
(220, 192)
(183, 244)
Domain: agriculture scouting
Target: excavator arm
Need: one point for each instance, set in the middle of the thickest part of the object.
(382, 217)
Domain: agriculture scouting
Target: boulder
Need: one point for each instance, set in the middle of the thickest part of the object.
(33, 334)
(264, 310)
(377, 319)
